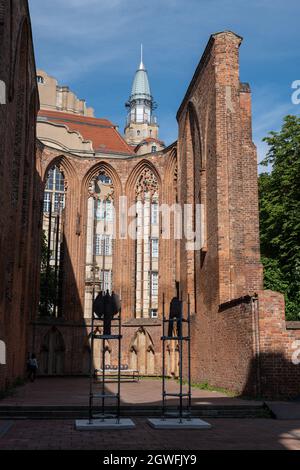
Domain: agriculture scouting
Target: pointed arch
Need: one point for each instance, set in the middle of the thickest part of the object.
(94, 172)
(142, 352)
(171, 172)
(144, 191)
(136, 172)
(196, 134)
(65, 166)
(52, 353)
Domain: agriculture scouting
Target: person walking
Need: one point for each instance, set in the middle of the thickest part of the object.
(32, 367)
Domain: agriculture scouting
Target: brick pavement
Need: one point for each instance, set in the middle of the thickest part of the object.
(74, 391)
(225, 434)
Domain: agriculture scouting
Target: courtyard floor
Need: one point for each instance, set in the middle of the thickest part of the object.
(74, 391)
(225, 434)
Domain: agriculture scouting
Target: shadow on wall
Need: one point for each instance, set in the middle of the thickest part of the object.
(273, 377)
(61, 343)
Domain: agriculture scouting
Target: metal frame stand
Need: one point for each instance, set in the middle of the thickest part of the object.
(103, 420)
(182, 418)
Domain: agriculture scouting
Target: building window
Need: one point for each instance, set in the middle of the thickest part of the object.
(154, 313)
(154, 284)
(105, 280)
(105, 210)
(153, 149)
(154, 213)
(147, 199)
(47, 199)
(155, 247)
(40, 79)
(138, 132)
(54, 191)
(103, 245)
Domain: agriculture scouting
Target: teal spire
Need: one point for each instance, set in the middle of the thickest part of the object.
(141, 86)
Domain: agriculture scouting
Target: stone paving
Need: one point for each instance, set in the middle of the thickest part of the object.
(225, 434)
(61, 434)
(74, 391)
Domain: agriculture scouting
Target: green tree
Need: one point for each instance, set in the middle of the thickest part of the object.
(279, 194)
(47, 282)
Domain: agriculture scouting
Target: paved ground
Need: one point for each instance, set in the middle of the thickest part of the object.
(225, 434)
(74, 391)
(285, 410)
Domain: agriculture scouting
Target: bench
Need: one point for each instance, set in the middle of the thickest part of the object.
(111, 372)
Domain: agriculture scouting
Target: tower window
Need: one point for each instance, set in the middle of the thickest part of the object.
(40, 79)
(138, 132)
(154, 148)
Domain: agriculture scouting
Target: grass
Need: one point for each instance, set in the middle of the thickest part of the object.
(210, 388)
(199, 386)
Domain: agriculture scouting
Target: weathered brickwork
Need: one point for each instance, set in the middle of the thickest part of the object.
(240, 339)
(19, 183)
(124, 174)
(217, 160)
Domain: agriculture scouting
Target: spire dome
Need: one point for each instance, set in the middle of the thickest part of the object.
(141, 124)
(141, 87)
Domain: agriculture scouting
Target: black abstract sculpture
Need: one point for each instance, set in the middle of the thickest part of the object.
(175, 315)
(106, 307)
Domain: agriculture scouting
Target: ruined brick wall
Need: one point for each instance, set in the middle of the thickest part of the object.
(73, 327)
(19, 183)
(238, 342)
(215, 145)
(279, 348)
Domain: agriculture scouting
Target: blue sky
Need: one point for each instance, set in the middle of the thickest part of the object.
(94, 47)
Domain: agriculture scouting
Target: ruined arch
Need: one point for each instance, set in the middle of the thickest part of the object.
(146, 191)
(134, 175)
(53, 239)
(200, 198)
(66, 167)
(171, 177)
(142, 353)
(52, 353)
(100, 190)
(95, 171)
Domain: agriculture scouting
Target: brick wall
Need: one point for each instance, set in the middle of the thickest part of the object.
(19, 182)
(235, 343)
(279, 342)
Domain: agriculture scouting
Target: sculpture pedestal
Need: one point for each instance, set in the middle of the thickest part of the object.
(100, 424)
(176, 423)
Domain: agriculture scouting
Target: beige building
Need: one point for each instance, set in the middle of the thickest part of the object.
(60, 98)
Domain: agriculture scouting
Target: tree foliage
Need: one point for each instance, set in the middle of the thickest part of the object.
(279, 192)
(47, 282)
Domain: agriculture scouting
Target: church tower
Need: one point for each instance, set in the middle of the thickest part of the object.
(141, 124)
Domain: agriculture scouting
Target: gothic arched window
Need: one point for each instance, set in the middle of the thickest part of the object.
(147, 245)
(100, 235)
(52, 243)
